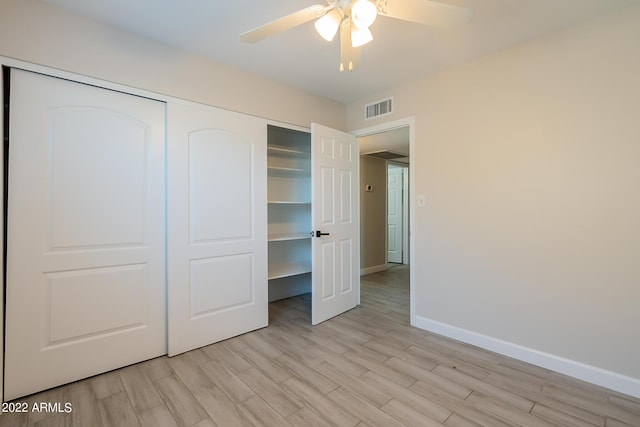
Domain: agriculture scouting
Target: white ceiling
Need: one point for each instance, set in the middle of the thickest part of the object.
(400, 50)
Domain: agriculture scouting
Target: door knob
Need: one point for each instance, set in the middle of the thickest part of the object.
(319, 233)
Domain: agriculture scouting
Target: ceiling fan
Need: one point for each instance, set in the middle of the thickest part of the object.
(354, 17)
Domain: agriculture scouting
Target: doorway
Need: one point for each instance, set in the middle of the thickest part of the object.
(384, 166)
(383, 144)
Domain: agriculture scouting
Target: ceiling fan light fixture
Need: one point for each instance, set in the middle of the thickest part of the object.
(360, 37)
(351, 66)
(363, 14)
(327, 26)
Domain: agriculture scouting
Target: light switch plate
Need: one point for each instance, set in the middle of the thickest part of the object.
(422, 201)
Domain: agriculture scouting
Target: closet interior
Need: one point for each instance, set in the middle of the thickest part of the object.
(289, 212)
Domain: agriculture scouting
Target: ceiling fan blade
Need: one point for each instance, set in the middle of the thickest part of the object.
(427, 12)
(285, 23)
(349, 55)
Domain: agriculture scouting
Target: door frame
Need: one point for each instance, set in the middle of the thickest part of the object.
(387, 126)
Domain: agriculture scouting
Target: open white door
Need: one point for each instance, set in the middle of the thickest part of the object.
(395, 184)
(217, 225)
(335, 218)
(85, 236)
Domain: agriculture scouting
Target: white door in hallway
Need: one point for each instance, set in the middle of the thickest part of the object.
(395, 184)
(335, 218)
(85, 255)
(217, 229)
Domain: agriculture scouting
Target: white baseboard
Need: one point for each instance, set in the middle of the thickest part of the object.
(602, 377)
(374, 269)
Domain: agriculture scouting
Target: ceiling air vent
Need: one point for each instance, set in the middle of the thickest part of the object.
(379, 108)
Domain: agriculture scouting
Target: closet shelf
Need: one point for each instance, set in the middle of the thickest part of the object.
(289, 236)
(288, 170)
(288, 202)
(278, 271)
(285, 151)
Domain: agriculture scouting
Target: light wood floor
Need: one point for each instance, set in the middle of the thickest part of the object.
(367, 367)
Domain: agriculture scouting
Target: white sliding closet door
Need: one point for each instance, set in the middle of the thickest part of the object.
(217, 241)
(86, 244)
(336, 251)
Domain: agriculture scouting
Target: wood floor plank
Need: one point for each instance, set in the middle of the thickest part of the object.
(505, 411)
(485, 388)
(306, 417)
(380, 368)
(227, 357)
(381, 346)
(14, 419)
(219, 407)
(189, 373)
(515, 384)
(157, 368)
(199, 356)
(611, 411)
(56, 420)
(282, 402)
(354, 385)
(180, 402)
(625, 404)
(227, 381)
(141, 392)
(84, 405)
(558, 418)
(407, 396)
(456, 420)
(348, 332)
(428, 377)
(341, 363)
(366, 331)
(612, 422)
(308, 374)
(444, 360)
(458, 406)
(261, 345)
(269, 367)
(531, 393)
(259, 413)
(106, 385)
(117, 411)
(327, 341)
(320, 403)
(289, 334)
(407, 415)
(156, 417)
(364, 411)
(55, 395)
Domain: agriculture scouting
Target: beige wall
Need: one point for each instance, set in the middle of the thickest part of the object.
(43, 34)
(529, 161)
(373, 212)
